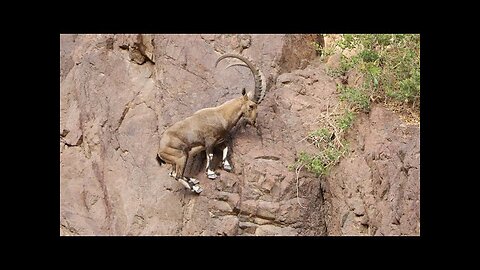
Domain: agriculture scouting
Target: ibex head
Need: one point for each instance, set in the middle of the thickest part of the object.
(249, 109)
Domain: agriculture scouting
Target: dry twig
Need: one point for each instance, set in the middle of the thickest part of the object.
(297, 171)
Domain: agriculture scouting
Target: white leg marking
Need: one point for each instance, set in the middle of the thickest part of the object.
(193, 180)
(208, 161)
(226, 164)
(225, 152)
(197, 189)
(210, 174)
(184, 183)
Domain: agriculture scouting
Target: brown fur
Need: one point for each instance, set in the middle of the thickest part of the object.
(202, 131)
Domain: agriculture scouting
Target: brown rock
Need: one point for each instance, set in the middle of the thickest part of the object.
(270, 230)
(290, 211)
(287, 78)
(248, 227)
(217, 207)
(233, 199)
(382, 191)
(298, 49)
(262, 221)
(67, 43)
(227, 225)
(249, 207)
(333, 61)
(358, 208)
(267, 210)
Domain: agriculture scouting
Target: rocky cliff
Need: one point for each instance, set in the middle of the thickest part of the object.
(118, 93)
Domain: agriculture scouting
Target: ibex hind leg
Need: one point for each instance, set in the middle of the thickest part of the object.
(187, 182)
(172, 173)
(170, 155)
(191, 180)
(178, 161)
(193, 152)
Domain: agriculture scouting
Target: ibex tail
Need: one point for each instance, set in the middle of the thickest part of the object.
(160, 160)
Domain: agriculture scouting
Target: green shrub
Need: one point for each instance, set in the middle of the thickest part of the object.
(329, 150)
(321, 163)
(390, 64)
(346, 120)
(356, 97)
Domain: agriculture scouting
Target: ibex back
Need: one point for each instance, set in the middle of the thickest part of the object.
(207, 128)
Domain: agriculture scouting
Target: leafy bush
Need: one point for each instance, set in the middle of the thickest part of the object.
(355, 97)
(329, 146)
(390, 64)
(346, 120)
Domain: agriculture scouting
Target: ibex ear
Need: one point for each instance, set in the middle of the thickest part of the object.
(244, 94)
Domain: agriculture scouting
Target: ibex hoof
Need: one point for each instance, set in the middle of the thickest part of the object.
(190, 185)
(211, 175)
(197, 189)
(193, 180)
(227, 167)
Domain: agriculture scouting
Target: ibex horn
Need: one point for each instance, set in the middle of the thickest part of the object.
(260, 83)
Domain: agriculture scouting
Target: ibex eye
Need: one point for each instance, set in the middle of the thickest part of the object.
(252, 107)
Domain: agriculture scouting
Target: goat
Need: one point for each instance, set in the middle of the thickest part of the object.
(207, 128)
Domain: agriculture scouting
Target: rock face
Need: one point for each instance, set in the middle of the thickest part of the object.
(118, 93)
(376, 189)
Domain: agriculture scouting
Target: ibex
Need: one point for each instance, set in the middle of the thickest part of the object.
(208, 128)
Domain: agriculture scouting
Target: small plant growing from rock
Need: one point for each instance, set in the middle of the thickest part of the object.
(357, 98)
(389, 65)
(328, 140)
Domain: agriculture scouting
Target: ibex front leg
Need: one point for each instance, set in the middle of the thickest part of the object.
(210, 173)
(226, 165)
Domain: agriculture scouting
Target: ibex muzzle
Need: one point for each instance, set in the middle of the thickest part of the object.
(207, 128)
